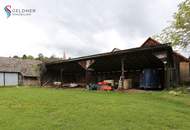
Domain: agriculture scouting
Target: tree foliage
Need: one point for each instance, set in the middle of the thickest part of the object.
(30, 57)
(24, 57)
(16, 57)
(178, 33)
(40, 57)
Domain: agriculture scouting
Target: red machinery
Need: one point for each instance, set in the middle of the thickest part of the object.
(105, 86)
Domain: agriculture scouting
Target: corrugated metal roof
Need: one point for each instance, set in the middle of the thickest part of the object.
(120, 52)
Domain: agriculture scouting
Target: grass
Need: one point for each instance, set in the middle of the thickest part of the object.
(57, 109)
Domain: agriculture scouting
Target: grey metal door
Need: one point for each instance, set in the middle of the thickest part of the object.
(11, 79)
(1, 79)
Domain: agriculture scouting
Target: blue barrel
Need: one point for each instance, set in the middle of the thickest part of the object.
(149, 78)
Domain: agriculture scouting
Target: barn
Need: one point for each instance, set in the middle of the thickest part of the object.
(152, 65)
(19, 72)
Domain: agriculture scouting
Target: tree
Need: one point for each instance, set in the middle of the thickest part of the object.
(40, 57)
(53, 56)
(178, 33)
(30, 57)
(16, 57)
(24, 57)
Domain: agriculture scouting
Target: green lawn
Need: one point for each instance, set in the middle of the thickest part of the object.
(58, 109)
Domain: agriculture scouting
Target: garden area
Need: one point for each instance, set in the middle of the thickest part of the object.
(25, 108)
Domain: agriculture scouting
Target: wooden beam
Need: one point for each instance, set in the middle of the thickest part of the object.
(86, 64)
(122, 68)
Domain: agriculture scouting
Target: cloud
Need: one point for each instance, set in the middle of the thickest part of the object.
(82, 27)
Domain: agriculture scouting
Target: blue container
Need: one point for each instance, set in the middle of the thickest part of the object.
(149, 78)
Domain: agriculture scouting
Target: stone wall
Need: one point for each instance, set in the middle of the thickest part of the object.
(31, 81)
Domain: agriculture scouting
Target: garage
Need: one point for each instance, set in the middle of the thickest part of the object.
(15, 72)
(9, 79)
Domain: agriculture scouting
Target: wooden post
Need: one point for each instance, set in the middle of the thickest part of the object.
(122, 77)
(61, 74)
(167, 75)
(88, 76)
(86, 65)
(122, 68)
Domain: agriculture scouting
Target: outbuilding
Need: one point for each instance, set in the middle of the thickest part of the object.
(19, 72)
(152, 65)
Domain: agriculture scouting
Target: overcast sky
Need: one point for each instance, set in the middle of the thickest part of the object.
(81, 27)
